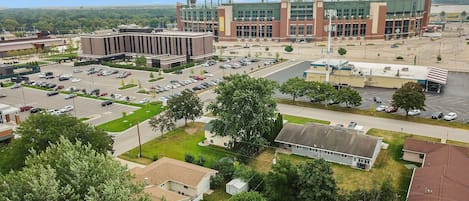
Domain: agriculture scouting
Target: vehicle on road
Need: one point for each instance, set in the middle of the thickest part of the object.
(67, 108)
(391, 109)
(143, 101)
(106, 103)
(76, 70)
(70, 96)
(450, 116)
(413, 112)
(352, 124)
(208, 75)
(25, 108)
(437, 115)
(377, 99)
(381, 108)
(76, 80)
(35, 110)
(3, 95)
(52, 93)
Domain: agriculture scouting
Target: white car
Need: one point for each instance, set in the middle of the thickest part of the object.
(413, 112)
(236, 65)
(208, 75)
(42, 75)
(67, 108)
(205, 65)
(163, 99)
(143, 101)
(76, 80)
(450, 116)
(381, 108)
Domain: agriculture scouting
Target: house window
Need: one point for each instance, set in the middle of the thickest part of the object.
(186, 187)
(421, 156)
(211, 141)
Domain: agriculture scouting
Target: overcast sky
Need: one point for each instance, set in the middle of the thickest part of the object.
(76, 3)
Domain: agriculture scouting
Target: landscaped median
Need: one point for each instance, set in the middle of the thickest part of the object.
(129, 120)
(373, 113)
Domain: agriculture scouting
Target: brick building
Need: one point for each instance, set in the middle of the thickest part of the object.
(306, 20)
(186, 45)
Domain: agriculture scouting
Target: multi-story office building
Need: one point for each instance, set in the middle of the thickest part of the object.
(180, 47)
(306, 20)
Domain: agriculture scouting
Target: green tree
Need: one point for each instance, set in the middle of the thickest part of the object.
(282, 182)
(162, 122)
(277, 55)
(248, 196)
(316, 181)
(225, 168)
(187, 106)
(40, 130)
(245, 108)
(296, 87)
(277, 127)
(151, 75)
(141, 61)
(443, 16)
(122, 83)
(342, 51)
(349, 96)
(70, 48)
(288, 48)
(9, 24)
(67, 171)
(322, 92)
(410, 96)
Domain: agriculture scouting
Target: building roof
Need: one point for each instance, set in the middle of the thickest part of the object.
(156, 193)
(238, 183)
(332, 138)
(443, 175)
(163, 33)
(168, 169)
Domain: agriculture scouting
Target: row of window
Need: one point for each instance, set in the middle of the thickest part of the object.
(350, 12)
(349, 30)
(137, 44)
(325, 152)
(398, 27)
(260, 31)
(254, 14)
(301, 29)
(188, 15)
(365, 161)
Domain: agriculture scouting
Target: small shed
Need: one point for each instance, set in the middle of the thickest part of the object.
(236, 186)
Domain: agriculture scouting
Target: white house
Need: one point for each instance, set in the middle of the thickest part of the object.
(175, 180)
(236, 186)
(211, 138)
(331, 143)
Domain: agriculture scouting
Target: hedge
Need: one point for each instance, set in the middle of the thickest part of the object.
(172, 69)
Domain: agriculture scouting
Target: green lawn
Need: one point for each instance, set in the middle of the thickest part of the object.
(417, 119)
(176, 144)
(125, 122)
(8, 84)
(155, 79)
(219, 194)
(127, 86)
(58, 57)
(303, 120)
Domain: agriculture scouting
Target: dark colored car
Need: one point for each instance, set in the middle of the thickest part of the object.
(35, 110)
(437, 115)
(178, 72)
(63, 78)
(106, 103)
(52, 93)
(51, 85)
(26, 108)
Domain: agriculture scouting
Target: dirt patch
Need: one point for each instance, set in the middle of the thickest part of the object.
(193, 128)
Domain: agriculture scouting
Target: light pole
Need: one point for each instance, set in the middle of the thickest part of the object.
(74, 107)
(24, 99)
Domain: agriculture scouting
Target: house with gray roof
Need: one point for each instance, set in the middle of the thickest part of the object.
(331, 143)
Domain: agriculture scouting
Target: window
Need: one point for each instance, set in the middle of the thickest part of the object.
(239, 31)
(421, 156)
(309, 29)
(361, 12)
(292, 30)
(301, 30)
(186, 187)
(346, 13)
(362, 29)
(246, 31)
(354, 13)
(255, 14)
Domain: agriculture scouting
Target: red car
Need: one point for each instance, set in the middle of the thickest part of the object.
(391, 109)
(103, 94)
(26, 108)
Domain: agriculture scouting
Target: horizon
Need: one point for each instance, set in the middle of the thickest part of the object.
(82, 3)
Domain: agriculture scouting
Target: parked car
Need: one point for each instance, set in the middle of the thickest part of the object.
(381, 108)
(106, 103)
(178, 72)
(413, 112)
(25, 108)
(63, 78)
(450, 116)
(352, 124)
(67, 108)
(391, 109)
(103, 94)
(76, 70)
(15, 86)
(76, 80)
(70, 96)
(35, 110)
(3, 95)
(208, 75)
(437, 115)
(143, 101)
(376, 99)
(52, 93)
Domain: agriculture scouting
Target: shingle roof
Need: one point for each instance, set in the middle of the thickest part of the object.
(444, 174)
(168, 169)
(157, 194)
(332, 138)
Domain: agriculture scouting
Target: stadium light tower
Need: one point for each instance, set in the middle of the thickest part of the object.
(330, 13)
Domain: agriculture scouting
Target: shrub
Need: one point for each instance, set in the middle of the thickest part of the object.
(288, 48)
(189, 158)
(438, 58)
(350, 44)
(124, 114)
(216, 181)
(370, 44)
(173, 69)
(400, 58)
(154, 158)
(266, 49)
(201, 161)
(342, 51)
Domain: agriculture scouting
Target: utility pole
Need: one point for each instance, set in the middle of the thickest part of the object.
(139, 141)
(329, 49)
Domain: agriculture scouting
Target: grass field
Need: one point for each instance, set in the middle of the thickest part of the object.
(176, 144)
(125, 122)
(218, 194)
(452, 124)
(303, 120)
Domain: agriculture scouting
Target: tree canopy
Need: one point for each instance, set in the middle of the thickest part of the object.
(409, 97)
(187, 106)
(288, 48)
(40, 130)
(349, 96)
(295, 86)
(246, 109)
(247, 196)
(141, 61)
(342, 51)
(67, 171)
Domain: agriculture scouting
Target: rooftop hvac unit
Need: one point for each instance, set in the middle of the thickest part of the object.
(405, 69)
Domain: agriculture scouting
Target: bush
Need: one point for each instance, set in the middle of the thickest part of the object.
(124, 114)
(128, 66)
(84, 63)
(288, 48)
(189, 158)
(400, 58)
(370, 44)
(173, 69)
(217, 181)
(201, 161)
(350, 44)
(342, 51)
(154, 158)
(438, 58)
(225, 168)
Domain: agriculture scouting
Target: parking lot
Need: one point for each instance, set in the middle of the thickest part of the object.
(91, 108)
(453, 99)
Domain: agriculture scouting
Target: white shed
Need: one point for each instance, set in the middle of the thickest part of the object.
(236, 186)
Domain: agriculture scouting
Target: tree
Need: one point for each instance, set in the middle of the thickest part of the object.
(296, 87)
(69, 46)
(349, 96)
(151, 75)
(141, 61)
(342, 51)
(282, 182)
(162, 122)
(288, 48)
(463, 16)
(266, 49)
(67, 171)
(225, 168)
(277, 127)
(248, 196)
(322, 92)
(443, 16)
(245, 108)
(277, 56)
(40, 130)
(316, 181)
(187, 106)
(254, 179)
(410, 96)
(122, 83)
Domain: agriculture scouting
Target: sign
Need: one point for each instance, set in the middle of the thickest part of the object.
(221, 23)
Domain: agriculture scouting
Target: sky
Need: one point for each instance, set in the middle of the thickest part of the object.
(77, 3)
